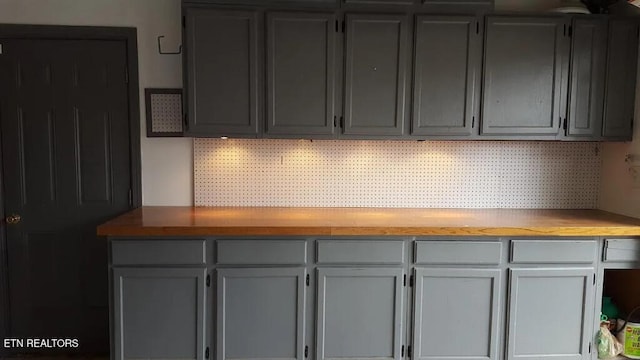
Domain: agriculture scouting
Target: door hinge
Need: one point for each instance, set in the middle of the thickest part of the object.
(594, 279)
(306, 351)
(184, 21)
(342, 122)
(409, 351)
(404, 283)
(473, 122)
(130, 197)
(186, 119)
(402, 351)
(335, 121)
(477, 27)
(564, 124)
(589, 347)
(126, 75)
(307, 280)
(570, 31)
(206, 353)
(344, 26)
(208, 281)
(411, 285)
(337, 26)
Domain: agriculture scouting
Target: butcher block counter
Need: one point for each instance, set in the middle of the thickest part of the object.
(256, 221)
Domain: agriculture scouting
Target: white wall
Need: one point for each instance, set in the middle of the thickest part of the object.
(167, 170)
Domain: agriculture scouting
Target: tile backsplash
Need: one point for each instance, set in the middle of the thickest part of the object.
(443, 174)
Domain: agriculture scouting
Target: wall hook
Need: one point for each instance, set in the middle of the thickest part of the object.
(167, 52)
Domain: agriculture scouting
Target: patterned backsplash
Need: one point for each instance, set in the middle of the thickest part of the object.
(429, 174)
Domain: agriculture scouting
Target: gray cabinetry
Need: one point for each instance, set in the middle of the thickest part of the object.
(222, 72)
(550, 313)
(587, 77)
(300, 73)
(375, 74)
(522, 85)
(260, 313)
(446, 75)
(456, 313)
(621, 79)
(360, 313)
(159, 313)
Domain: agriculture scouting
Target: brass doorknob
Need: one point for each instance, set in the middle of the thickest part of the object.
(13, 219)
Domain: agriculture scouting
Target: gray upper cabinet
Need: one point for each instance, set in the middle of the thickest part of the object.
(464, 302)
(587, 76)
(522, 88)
(221, 60)
(159, 313)
(550, 313)
(621, 79)
(300, 73)
(260, 313)
(359, 313)
(375, 74)
(447, 75)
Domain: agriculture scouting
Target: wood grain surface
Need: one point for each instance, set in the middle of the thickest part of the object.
(265, 221)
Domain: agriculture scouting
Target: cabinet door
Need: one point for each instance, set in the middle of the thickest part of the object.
(588, 64)
(222, 72)
(375, 74)
(159, 313)
(260, 313)
(550, 313)
(359, 313)
(621, 79)
(523, 75)
(447, 75)
(300, 73)
(456, 314)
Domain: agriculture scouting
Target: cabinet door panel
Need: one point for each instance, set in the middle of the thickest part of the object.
(621, 78)
(159, 313)
(260, 313)
(447, 69)
(455, 307)
(376, 56)
(588, 57)
(522, 75)
(359, 313)
(222, 72)
(300, 73)
(550, 313)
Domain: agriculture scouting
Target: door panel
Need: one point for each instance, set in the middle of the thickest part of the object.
(300, 73)
(520, 50)
(376, 56)
(550, 313)
(465, 304)
(359, 313)
(260, 313)
(588, 64)
(66, 167)
(447, 70)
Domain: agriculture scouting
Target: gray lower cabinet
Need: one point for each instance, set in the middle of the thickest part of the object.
(620, 91)
(360, 313)
(447, 75)
(376, 54)
(523, 77)
(222, 72)
(457, 313)
(550, 313)
(301, 64)
(159, 313)
(260, 313)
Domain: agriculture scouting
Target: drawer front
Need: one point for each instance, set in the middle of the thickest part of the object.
(360, 252)
(458, 252)
(158, 252)
(622, 250)
(261, 252)
(553, 251)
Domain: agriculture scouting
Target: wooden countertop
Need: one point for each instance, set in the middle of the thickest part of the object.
(200, 221)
